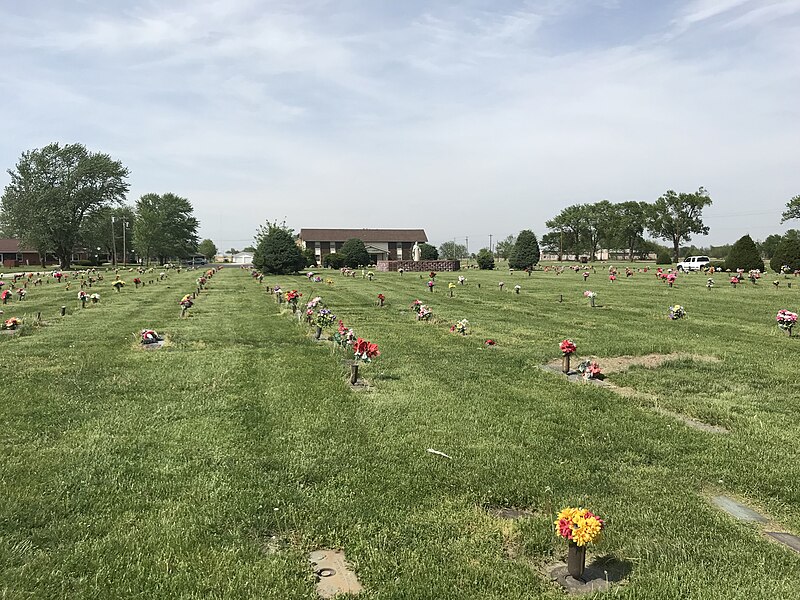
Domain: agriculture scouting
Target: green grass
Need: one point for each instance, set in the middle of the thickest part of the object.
(209, 469)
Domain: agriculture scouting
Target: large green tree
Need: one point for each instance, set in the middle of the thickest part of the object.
(164, 228)
(53, 190)
(505, 247)
(792, 210)
(452, 251)
(485, 259)
(277, 252)
(787, 254)
(744, 255)
(769, 245)
(207, 248)
(570, 224)
(428, 251)
(526, 251)
(676, 217)
(629, 225)
(355, 253)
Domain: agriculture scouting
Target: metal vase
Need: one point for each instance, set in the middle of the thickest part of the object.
(318, 332)
(591, 301)
(353, 373)
(576, 561)
(565, 363)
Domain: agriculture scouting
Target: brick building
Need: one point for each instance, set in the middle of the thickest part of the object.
(382, 244)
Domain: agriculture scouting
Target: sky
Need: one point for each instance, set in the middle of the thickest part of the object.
(466, 118)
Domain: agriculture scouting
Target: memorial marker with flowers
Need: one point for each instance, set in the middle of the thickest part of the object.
(83, 297)
(424, 313)
(95, 298)
(363, 351)
(12, 324)
(292, 298)
(381, 299)
(5, 296)
(451, 286)
(591, 296)
(671, 279)
(137, 282)
(325, 318)
(311, 306)
(786, 320)
(185, 304)
(460, 326)
(118, 284)
(676, 312)
(21, 293)
(567, 348)
(590, 370)
(579, 527)
(149, 336)
(431, 284)
(344, 336)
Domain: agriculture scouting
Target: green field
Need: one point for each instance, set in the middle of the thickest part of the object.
(212, 467)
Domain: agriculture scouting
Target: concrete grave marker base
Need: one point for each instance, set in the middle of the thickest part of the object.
(10, 331)
(334, 575)
(600, 575)
(738, 510)
(787, 539)
(154, 345)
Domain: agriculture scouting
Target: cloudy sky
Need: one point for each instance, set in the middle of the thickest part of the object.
(466, 118)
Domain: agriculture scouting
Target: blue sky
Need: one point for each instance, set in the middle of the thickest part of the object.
(465, 118)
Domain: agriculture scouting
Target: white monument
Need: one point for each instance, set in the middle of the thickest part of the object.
(416, 253)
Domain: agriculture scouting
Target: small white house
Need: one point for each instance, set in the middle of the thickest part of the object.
(243, 258)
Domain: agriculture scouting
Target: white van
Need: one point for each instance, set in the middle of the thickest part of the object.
(694, 263)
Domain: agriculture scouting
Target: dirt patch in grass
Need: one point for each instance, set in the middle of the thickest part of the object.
(619, 364)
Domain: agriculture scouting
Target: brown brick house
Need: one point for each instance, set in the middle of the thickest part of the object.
(382, 244)
(12, 254)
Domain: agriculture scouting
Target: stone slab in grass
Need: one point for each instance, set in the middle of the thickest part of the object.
(334, 575)
(600, 576)
(787, 539)
(10, 332)
(154, 345)
(738, 510)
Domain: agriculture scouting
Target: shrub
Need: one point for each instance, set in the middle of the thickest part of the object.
(485, 259)
(428, 252)
(525, 254)
(276, 252)
(744, 255)
(355, 253)
(787, 253)
(334, 261)
(664, 258)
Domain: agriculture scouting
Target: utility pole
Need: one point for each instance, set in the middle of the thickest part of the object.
(467, 240)
(113, 242)
(124, 253)
(490, 245)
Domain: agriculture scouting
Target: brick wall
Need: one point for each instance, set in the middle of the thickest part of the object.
(425, 266)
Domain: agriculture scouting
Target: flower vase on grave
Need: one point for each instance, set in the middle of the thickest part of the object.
(353, 373)
(83, 302)
(576, 561)
(591, 302)
(565, 363)
(318, 332)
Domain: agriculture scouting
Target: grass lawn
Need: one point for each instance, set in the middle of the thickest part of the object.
(212, 467)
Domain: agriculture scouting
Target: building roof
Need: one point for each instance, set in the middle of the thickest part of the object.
(365, 235)
(9, 245)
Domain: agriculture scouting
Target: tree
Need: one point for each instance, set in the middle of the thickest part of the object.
(310, 257)
(769, 245)
(428, 252)
(452, 251)
(504, 247)
(106, 229)
(164, 227)
(675, 217)
(355, 253)
(792, 210)
(629, 226)
(663, 258)
(276, 251)
(208, 249)
(334, 260)
(571, 227)
(787, 254)
(53, 190)
(526, 251)
(249, 249)
(744, 255)
(485, 259)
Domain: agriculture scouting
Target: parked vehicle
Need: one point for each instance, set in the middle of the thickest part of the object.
(694, 263)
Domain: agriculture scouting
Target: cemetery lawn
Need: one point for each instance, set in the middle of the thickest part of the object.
(212, 467)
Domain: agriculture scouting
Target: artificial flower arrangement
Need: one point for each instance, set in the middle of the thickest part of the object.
(381, 299)
(83, 296)
(12, 324)
(567, 347)
(277, 290)
(5, 296)
(118, 284)
(590, 370)
(612, 278)
(432, 274)
(317, 279)
(460, 327)
(137, 281)
(585, 275)
(149, 336)
(710, 282)
(424, 313)
(186, 302)
(734, 281)
(431, 284)
(461, 279)
(776, 283)
(755, 275)
(591, 296)
(489, 343)
(579, 526)
(671, 279)
(201, 281)
(517, 288)
(786, 320)
(95, 298)
(365, 351)
(329, 281)
(677, 312)
(310, 274)
(314, 303)
(344, 336)
(325, 318)
(21, 293)
(416, 305)
(370, 275)
(292, 297)
(58, 275)
(2, 283)
(501, 284)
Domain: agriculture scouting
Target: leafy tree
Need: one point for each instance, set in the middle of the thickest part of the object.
(571, 227)
(452, 251)
(787, 253)
(310, 257)
(485, 259)
(792, 210)
(428, 252)
(629, 226)
(675, 217)
(599, 219)
(744, 255)
(355, 253)
(526, 251)
(249, 249)
(208, 249)
(769, 245)
(276, 250)
(334, 260)
(232, 251)
(106, 229)
(164, 227)
(52, 191)
(663, 258)
(504, 247)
